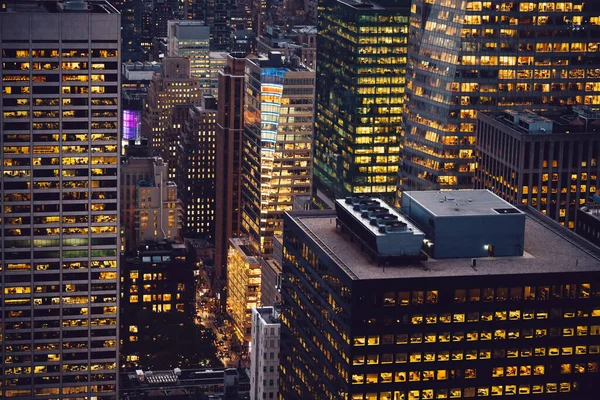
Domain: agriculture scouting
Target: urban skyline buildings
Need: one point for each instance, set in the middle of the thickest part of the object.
(173, 86)
(361, 66)
(475, 56)
(228, 160)
(191, 39)
(367, 315)
(198, 161)
(547, 161)
(59, 178)
(277, 142)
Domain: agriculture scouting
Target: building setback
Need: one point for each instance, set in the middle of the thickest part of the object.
(60, 113)
(549, 162)
(492, 56)
(361, 66)
(366, 315)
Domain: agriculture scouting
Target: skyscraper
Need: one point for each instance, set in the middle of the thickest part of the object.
(59, 183)
(191, 39)
(500, 302)
(264, 363)
(276, 145)
(361, 65)
(229, 132)
(548, 161)
(473, 56)
(198, 146)
(174, 86)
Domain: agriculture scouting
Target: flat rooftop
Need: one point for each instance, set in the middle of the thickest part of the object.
(549, 248)
(54, 6)
(582, 120)
(457, 203)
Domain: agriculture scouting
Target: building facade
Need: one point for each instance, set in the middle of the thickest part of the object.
(277, 162)
(229, 133)
(60, 115)
(243, 286)
(264, 354)
(157, 305)
(174, 86)
(588, 223)
(199, 148)
(549, 162)
(361, 321)
(361, 66)
(514, 55)
(191, 39)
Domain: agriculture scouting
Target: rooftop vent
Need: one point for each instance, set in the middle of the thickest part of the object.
(76, 5)
(507, 211)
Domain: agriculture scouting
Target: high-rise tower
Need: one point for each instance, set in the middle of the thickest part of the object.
(228, 161)
(361, 65)
(276, 161)
(472, 56)
(59, 206)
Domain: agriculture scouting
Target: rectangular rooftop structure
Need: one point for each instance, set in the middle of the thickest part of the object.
(382, 230)
(466, 223)
(549, 249)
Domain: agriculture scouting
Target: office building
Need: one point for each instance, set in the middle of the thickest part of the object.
(131, 30)
(191, 39)
(229, 133)
(199, 148)
(270, 278)
(547, 161)
(174, 86)
(258, 11)
(59, 183)
(264, 354)
(161, 15)
(157, 306)
(298, 40)
(277, 160)
(243, 286)
(516, 55)
(150, 205)
(184, 384)
(218, 15)
(218, 61)
(367, 315)
(359, 96)
(311, 11)
(135, 81)
(588, 222)
(147, 29)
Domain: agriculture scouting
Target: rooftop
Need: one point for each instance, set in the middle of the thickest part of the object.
(462, 203)
(54, 6)
(549, 248)
(580, 119)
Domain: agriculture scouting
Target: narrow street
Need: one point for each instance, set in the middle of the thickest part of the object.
(221, 327)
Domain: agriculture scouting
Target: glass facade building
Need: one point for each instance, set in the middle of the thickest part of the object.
(472, 56)
(60, 115)
(360, 72)
(438, 329)
(276, 161)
